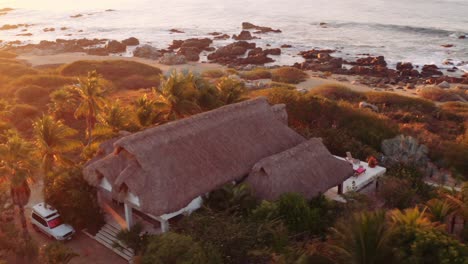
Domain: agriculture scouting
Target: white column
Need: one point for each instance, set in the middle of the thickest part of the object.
(128, 215)
(164, 226)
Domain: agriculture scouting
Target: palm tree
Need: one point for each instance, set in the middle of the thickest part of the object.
(146, 112)
(113, 119)
(17, 165)
(91, 97)
(53, 140)
(412, 217)
(439, 210)
(459, 201)
(177, 95)
(230, 90)
(363, 239)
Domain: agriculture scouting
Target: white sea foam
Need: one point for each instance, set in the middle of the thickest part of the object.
(401, 30)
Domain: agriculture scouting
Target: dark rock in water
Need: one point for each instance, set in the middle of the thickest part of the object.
(230, 52)
(447, 45)
(110, 10)
(313, 54)
(260, 29)
(148, 52)
(48, 29)
(215, 33)
(404, 66)
(201, 44)
(286, 46)
(115, 46)
(370, 61)
(131, 41)
(244, 35)
(275, 51)
(462, 37)
(24, 34)
(223, 36)
(76, 16)
(429, 70)
(173, 30)
(63, 28)
(190, 53)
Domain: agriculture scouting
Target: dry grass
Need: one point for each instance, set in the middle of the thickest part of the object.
(256, 74)
(115, 70)
(7, 54)
(337, 92)
(440, 95)
(213, 74)
(47, 81)
(391, 101)
(289, 75)
(14, 70)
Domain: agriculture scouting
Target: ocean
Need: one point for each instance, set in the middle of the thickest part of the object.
(401, 30)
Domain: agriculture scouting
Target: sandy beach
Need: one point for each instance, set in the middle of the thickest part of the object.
(310, 83)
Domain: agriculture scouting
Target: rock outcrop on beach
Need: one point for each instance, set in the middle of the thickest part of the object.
(321, 60)
(244, 35)
(191, 48)
(259, 29)
(430, 70)
(132, 41)
(147, 52)
(172, 59)
(115, 46)
(405, 149)
(229, 54)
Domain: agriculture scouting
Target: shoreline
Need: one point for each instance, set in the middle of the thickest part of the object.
(313, 80)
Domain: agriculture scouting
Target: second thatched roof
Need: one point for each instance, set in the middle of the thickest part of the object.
(308, 168)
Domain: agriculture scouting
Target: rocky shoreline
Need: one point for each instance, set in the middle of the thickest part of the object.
(244, 54)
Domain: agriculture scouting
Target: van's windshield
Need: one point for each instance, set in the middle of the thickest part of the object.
(55, 222)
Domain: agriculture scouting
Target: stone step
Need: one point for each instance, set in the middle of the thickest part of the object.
(116, 251)
(113, 240)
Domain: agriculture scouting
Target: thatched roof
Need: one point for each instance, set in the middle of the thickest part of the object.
(169, 165)
(308, 168)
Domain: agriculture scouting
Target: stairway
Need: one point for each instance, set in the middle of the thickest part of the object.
(107, 236)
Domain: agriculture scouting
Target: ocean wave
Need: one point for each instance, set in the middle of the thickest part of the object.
(402, 28)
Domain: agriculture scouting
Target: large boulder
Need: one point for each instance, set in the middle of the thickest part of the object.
(115, 46)
(244, 35)
(444, 85)
(259, 29)
(147, 52)
(231, 51)
(172, 59)
(131, 41)
(370, 61)
(430, 70)
(190, 53)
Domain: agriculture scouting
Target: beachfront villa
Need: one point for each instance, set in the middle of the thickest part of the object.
(163, 172)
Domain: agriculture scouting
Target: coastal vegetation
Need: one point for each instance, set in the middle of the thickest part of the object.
(53, 120)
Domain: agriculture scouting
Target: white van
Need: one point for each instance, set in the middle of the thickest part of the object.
(46, 219)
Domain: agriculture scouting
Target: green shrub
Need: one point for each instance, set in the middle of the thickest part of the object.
(24, 111)
(47, 81)
(337, 92)
(289, 75)
(397, 193)
(176, 248)
(14, 70)
(32, 94)
(256, 74)
(75, 199)
(213, 74)
(7, 54)
(136, 81)
(113, 70)
(427, 246)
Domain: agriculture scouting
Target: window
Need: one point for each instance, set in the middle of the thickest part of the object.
(55, 222)
(39, 219)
